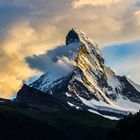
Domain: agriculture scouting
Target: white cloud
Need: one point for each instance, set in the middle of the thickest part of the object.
(80, 3)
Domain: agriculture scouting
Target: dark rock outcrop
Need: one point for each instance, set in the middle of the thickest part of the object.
(35, 98)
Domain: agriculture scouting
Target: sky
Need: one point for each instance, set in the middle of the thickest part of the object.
(31, 27)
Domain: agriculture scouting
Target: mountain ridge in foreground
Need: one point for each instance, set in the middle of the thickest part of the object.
(89, 84)
(19, 121)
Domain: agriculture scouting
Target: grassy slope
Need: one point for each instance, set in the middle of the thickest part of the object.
(33, 124)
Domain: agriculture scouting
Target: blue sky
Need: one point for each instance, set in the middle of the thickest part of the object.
(32, 27)
(124, 59)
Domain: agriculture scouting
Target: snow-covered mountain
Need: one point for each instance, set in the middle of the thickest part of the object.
(89, 84)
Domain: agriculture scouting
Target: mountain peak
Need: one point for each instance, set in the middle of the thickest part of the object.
(88, 84)
(84, 47)
(72, 36)
(76, 35)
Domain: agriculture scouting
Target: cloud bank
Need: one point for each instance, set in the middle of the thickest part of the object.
(80, 3)
(54, 60)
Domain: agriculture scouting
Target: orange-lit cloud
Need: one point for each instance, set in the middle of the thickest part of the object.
(137, 18)
(22, 40)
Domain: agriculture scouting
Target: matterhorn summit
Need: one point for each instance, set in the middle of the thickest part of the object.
(87, 84)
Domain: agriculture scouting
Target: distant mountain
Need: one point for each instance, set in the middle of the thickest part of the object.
(89, 85)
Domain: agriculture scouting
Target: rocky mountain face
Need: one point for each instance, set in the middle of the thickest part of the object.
(35, 98)
(90, 85)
